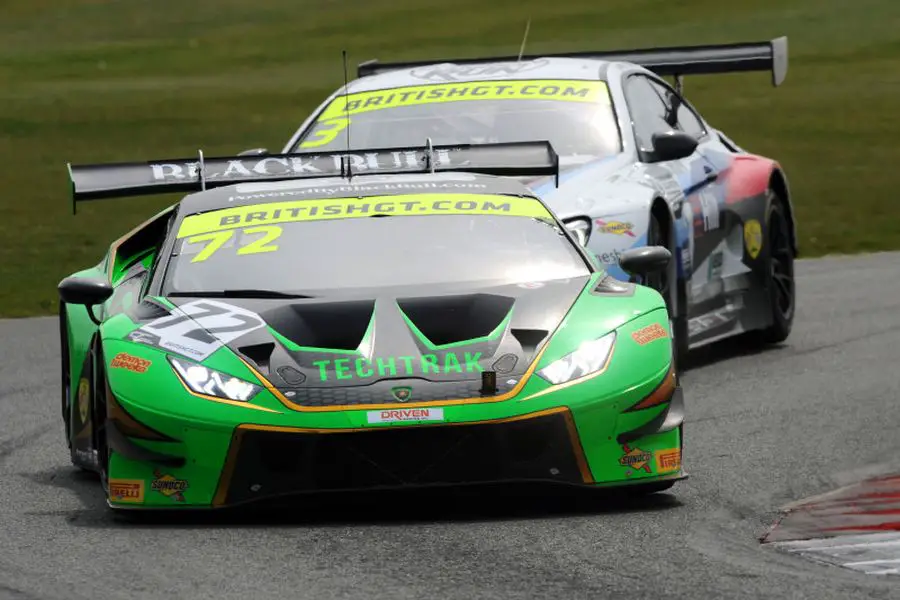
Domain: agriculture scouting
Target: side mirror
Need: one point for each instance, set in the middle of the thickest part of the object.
(646, 260)
(672, 145)
(580, 229)
(254, 152)
(79, 290)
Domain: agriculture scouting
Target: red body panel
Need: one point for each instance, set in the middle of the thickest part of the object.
(748, 177)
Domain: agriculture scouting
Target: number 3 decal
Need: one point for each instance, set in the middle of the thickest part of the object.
(219, 238)
(328, 130)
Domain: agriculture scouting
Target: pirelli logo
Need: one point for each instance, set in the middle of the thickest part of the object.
(126, 490)
(668, 461)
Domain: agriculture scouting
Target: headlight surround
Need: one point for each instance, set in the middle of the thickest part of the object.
(208, 382)
(590, 357)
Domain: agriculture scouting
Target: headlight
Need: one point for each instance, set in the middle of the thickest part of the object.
(590, 357)
(581, 229)
(201, 380)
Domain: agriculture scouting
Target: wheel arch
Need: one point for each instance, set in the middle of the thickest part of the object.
(778, 183)
(660, 209)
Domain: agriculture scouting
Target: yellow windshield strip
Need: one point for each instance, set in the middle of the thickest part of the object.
(566, 90)
(346, 208)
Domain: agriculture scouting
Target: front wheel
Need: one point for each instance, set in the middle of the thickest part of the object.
(66, 378)
(98, 415)
(782, 291)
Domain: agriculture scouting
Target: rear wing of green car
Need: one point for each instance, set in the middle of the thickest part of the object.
(665, 61)
(117, 180)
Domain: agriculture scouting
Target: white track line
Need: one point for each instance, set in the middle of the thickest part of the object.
(873, 554)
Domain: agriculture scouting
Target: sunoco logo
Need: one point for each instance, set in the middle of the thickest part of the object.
(451, 72)
(169, 486)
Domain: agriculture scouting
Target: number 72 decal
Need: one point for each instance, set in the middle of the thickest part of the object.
(197, 329)
(217, 239)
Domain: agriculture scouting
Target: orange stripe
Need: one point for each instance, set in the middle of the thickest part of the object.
(660, 395)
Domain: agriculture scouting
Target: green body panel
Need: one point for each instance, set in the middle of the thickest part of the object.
(203, 428)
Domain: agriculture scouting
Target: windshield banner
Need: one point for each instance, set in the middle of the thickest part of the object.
(566, 90)
(272, 213)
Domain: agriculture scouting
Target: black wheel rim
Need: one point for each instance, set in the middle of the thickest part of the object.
(781, 266)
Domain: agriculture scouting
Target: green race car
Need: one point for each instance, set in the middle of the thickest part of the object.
(303, 324)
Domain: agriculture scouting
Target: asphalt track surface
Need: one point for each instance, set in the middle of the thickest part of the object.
(763, 430)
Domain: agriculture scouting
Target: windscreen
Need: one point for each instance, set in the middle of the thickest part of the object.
(313, 247)
(575, 116)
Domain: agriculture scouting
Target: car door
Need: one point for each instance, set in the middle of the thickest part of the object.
(655, 108)
(704, 190)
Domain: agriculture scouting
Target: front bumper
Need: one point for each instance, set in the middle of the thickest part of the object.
(587, 446)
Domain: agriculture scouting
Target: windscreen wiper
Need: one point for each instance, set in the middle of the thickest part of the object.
(241, 294)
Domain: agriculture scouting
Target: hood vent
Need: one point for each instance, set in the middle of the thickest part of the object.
(147, 310)
(260, 354)
(332, 325)
(529, 340)
(450, 319)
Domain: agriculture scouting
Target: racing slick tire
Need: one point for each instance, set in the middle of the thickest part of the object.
(98, 417)
(65, 377)
(780, 269)
(666, 284)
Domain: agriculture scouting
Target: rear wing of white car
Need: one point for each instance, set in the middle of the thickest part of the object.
(674, 61)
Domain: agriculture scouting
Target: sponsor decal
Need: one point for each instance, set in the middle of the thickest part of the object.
(716, 318)
(406, 414)
(398, 366)
(401, 394)
(197, 329)
(451, 72)
(566, 90)
(668, 460)
(635, 458)
(296, 188)
(615, 227)
(87, 457)
(645, 335)
(276, 166)
(685, 261)
(126, 361)
(84, 399)
(126, 490)
(709, 206)
(142, 337)
(753, 237)
(715, 265)
(273, 213)
(243, 168)
(335, 118)
(609, 258)
(168, 485)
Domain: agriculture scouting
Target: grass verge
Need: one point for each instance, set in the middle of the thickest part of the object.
(98, 80)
